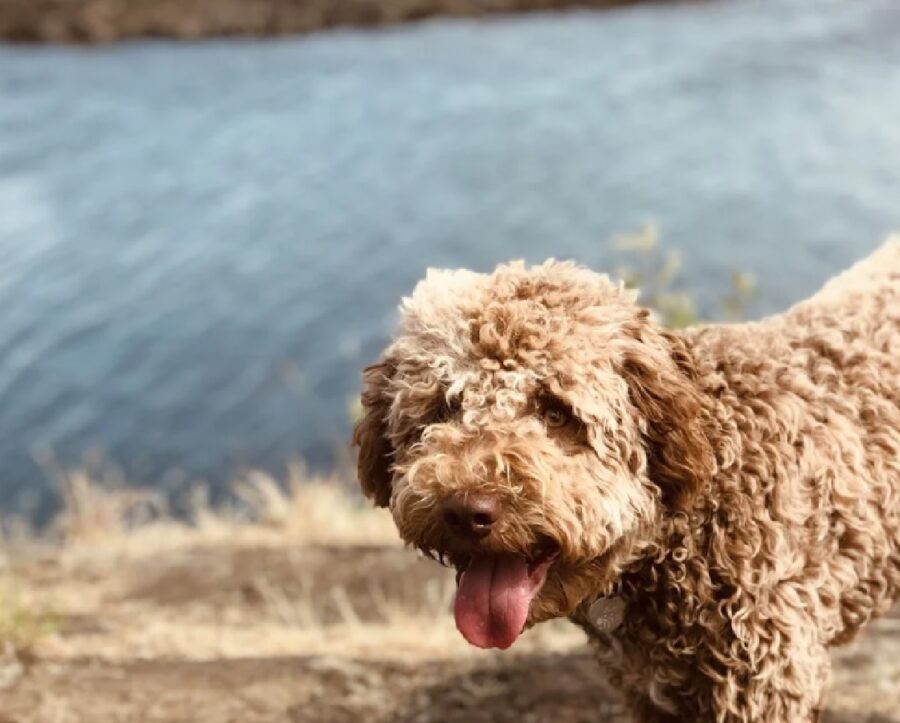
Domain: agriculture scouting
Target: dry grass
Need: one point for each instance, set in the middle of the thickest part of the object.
(110, 569)
(101, 518)
(299, 598)
(314, 509)
(288, 567)
(104, 540)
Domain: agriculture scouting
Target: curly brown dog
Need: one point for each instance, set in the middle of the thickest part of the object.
(715, 506)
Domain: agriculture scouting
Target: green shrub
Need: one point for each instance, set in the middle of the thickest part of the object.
(656, 272)
(22, 625)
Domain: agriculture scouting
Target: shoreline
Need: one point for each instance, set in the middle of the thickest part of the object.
(85, 22)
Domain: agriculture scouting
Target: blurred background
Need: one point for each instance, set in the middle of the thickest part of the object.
(202, 243)
(209, 212)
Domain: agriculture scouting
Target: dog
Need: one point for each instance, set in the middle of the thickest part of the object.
(714, 506)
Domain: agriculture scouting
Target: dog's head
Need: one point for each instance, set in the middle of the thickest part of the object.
(529, 426)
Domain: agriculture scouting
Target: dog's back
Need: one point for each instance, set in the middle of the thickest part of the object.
(816, 395)
(864, 299)
(857, 314)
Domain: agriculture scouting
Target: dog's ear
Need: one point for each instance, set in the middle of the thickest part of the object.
(370, 435)
(662, 381)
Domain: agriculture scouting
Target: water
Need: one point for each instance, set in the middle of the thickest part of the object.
(202, 243)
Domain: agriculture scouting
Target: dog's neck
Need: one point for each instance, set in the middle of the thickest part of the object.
(674, 537)
(672, 548)
(661, 549)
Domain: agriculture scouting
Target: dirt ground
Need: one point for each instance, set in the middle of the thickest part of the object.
(256, 631)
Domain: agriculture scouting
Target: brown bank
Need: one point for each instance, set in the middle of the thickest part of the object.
(100, 21)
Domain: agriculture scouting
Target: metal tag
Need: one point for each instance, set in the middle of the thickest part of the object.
(607, 614)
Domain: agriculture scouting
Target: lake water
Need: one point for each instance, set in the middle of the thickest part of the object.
(202, 243)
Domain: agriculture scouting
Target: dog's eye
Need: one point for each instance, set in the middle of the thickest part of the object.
(562, 425)
(556, 417)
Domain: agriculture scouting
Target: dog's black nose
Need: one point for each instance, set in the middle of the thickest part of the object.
(471, 515)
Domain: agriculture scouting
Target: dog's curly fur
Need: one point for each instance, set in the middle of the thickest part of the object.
(737, 486)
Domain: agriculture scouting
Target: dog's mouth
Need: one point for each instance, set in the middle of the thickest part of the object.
(495, 591)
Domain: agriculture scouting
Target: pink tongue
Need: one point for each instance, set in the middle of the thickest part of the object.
(493, 599)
